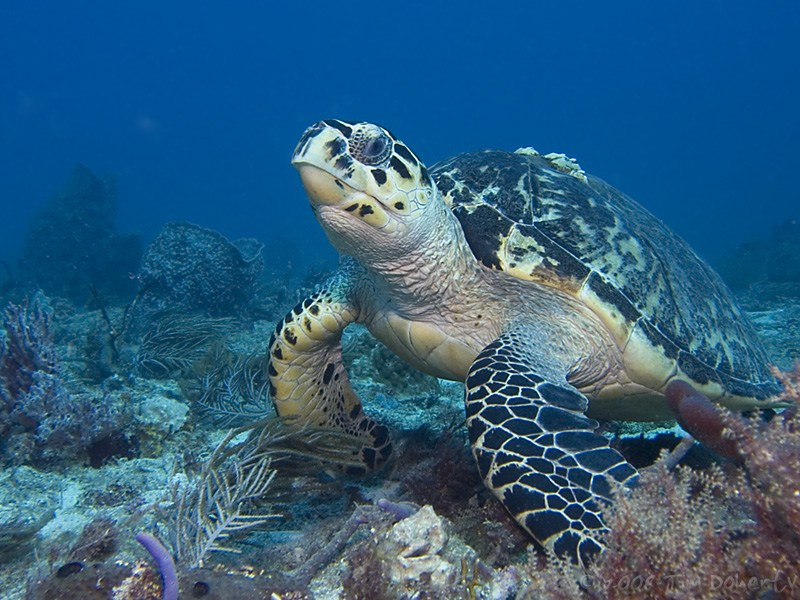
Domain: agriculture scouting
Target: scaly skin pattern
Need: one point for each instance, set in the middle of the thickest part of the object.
(309, 384)
(537, 451)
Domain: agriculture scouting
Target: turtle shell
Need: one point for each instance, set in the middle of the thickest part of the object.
(542, 219)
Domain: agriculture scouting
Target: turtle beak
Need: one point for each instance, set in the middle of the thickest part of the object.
(322, 187)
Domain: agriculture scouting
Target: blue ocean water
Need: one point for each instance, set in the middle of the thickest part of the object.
(690, 107)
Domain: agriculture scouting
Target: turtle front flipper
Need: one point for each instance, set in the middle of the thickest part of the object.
(536, 449)
(308, 381)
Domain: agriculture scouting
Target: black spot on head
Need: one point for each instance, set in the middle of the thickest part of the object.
(352, 207)
(365, 210)
(399, 205)
(308, 134)
(379, 175)
(336, 147)
(343, 162)
(314, 309)
(345, 129)
(405, 153)
(400, 167)
(289, 336)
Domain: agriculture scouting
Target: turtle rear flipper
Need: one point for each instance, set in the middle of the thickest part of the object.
(537, 450)
(308, 380)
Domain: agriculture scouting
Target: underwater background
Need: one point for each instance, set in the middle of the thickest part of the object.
(153, 232)
(689, 107)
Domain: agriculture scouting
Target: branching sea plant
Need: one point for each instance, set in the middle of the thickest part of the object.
(26, 347)
(176, 342)
(235, 392)
(208, 510)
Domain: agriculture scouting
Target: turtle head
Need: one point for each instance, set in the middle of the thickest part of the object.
(365, 185)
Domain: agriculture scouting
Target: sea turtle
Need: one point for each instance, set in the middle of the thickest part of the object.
(553, 296)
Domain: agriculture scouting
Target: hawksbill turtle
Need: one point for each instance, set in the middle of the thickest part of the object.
(554, 297)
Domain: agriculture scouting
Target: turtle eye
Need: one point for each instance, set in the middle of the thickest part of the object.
(375, 150)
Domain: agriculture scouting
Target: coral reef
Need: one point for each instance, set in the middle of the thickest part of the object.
(193, 269)
(413, 558)
(98, 540)
(28, 349)
(150, 457)
(76, 581)
(40, 419)
(71, 244)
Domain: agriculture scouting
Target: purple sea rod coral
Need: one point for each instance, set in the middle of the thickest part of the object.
(165, 564)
